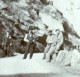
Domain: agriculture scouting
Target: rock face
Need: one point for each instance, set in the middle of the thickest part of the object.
(44, 1)
(20, 17)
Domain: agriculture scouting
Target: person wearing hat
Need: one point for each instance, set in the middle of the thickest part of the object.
(49, 41)
(60, 40)
(8, 42)
(55, 46)
(30, 44)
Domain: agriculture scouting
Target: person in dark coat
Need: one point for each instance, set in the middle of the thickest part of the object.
(30, 45)
(9, 43)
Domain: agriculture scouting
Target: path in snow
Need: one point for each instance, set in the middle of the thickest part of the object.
(17, 66)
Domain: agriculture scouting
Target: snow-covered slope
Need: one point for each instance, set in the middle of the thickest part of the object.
(70, 10)
(17, 65)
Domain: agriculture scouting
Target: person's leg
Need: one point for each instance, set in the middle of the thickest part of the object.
(11, 51)
(31, 54)
(46, 50)
(50, 53)
(7, 50)
(32, 50)
(4, 49)
(26, 51)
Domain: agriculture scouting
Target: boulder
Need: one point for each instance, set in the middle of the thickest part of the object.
(75, 60)
(61, 56)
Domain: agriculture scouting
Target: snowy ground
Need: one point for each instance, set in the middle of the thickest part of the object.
(35, 67)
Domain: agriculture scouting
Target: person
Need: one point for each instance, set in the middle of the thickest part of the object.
(30, 45)
(60, 40)
(4, 42)
(55, 46)
(49, 41)
(2, 53)
(9, 43)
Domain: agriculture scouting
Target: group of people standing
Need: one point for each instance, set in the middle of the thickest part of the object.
(54, 41)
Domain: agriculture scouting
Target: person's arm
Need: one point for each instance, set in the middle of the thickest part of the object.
(25, 38)
(59, 41)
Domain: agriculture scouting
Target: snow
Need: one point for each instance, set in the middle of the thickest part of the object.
(2, 5)
(69, 58)
(40, 24)
(22, 3)
(17, 65)
(50, 22)
(24, 27)
(74, 42)
(62, 54)
(70, 10)
(25, 38)
(75, 58)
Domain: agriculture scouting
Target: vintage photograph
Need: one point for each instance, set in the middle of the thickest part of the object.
(39, 38)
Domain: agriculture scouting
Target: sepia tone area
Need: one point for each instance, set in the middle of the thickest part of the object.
(39, 38)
